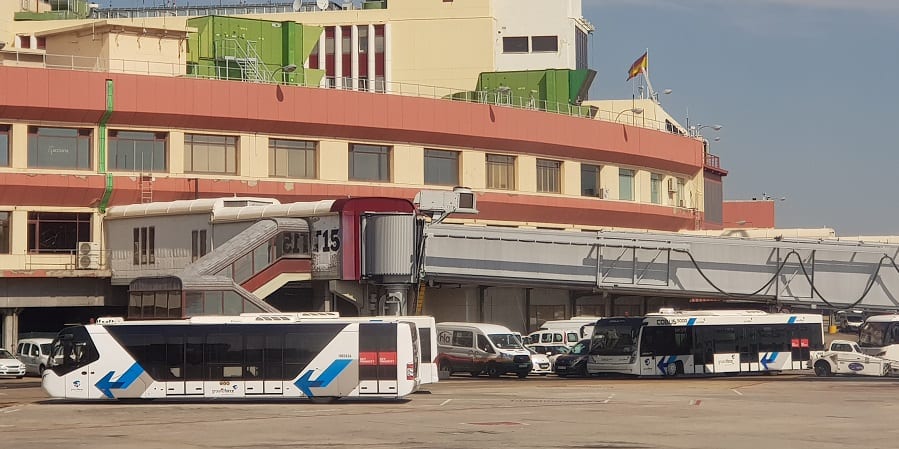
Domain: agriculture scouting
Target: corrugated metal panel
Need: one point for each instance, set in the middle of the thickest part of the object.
(388, 244)
(714, 198)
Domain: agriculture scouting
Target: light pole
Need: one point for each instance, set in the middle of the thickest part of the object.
(695, 129)
(289, 68)
(635, 111)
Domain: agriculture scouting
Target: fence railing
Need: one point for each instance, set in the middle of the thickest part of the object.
(511, 99)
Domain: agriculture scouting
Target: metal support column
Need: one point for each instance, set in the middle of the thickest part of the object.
(10, 334)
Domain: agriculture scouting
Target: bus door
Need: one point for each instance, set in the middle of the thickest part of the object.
(72, 353)
(799, 346)
(378, 370)
(174, 375)
(193, 365)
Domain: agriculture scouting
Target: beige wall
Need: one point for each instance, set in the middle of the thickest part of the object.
(571, 178)
(333, 160)
(157, 55)
(408, 165)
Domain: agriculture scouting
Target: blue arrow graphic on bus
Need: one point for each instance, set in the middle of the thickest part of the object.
(769, 357)
(664, 362)
(106, 384)
(305, 382)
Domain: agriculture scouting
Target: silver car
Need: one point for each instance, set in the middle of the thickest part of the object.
(10, 366)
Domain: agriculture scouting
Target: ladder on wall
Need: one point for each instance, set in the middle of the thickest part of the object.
(244, 55)
(146, 188)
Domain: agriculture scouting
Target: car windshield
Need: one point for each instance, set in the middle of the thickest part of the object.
(580, 349)
(505, 341)
(613, 340)
(854, 319)
(557, 349)
(4, 354)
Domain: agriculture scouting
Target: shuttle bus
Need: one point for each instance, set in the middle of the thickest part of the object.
(705, 343)
(879, 336)
(307, 355)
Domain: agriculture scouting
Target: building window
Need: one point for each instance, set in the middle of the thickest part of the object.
(144, 245)
(590, 181)
(549, 176)
(369, 162)
(4, 232)
(544, 44)
(41, 42)
(542, 314)
(210, 154)
(291, 158)
(500, 172)
(137, 151)
(625, 184)
(655, 187)
(442, 167)
(59, 147)
(4, 145)
(580, 49)
(57, 232)
(515, 44)
(679, 196)
(198, 244)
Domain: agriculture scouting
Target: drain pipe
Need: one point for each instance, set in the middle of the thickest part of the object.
(107, 194)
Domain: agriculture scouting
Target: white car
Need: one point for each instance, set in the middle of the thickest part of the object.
(542, 365)
(845, 357)
(10, 366)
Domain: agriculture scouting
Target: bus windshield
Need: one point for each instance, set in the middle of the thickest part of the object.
(505, 341)
(874, 334)
(614, 340)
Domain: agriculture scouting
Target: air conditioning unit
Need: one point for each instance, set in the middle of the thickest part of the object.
(672, 185)
(604, 193)
(87, 256)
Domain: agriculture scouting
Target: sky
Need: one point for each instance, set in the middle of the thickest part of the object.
(803, 90)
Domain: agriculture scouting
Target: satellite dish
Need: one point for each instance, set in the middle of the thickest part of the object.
(322, 4)
(297, 5)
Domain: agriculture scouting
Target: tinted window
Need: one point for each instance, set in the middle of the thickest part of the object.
(515, 44)
(424, 338)
(463, 339)
(545, 43)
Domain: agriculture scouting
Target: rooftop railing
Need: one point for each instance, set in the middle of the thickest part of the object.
(506, 98)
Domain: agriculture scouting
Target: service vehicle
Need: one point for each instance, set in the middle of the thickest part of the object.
(566, 337)
(477, 348)
(13, 367)
(705, 343)
(846, 357)
(574, 363)
(34, 353)
(879, 336)
(582, 324)
(315, 355)
(850, 321)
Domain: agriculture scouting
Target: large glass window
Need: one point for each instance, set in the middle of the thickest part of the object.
(4, 232)
(369, 162)
(291, 158)
(549, 176)
(57, 232)
(137, 151)
(590, 181)
(442, 167)
(4, 145)
(625, 184)
(500, 172)
(198, 244)
(680, 192)
(655, 187)
(210, 154)
(518, 44)
(144, 245)
(59, 147)
(545, 43)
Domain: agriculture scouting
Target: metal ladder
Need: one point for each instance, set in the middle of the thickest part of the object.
(146, 188)
(244, 56)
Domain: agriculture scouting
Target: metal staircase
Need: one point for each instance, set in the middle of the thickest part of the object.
(243, 55)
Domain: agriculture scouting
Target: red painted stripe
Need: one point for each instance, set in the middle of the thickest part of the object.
(287, 265)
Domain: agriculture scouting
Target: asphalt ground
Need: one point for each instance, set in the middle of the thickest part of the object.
(778, 411)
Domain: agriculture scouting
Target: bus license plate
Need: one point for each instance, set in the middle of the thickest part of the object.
(524, 365)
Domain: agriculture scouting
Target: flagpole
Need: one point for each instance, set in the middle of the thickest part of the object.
(652, 92)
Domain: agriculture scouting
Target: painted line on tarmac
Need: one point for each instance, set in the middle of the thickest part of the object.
(736, 391)
(12, 410)
(696, 402)
(445, 402)
(606, 401)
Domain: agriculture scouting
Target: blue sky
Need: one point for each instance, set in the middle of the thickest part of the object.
(803, 88)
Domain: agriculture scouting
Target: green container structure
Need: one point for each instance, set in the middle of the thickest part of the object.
(553, 90)
(237, 48)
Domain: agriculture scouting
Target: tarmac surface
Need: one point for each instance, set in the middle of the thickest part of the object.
(781, 411)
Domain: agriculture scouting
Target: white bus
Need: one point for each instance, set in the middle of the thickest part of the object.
(306, 355)
(879, 336)
(427, 339)
(705, 342)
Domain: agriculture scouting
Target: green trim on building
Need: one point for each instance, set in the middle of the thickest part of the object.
(110, 103)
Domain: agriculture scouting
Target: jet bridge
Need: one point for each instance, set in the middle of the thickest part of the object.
(815, 273)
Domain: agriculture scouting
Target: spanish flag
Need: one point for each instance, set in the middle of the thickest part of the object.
(639, 66)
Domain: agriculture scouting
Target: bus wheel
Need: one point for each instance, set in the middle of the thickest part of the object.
(493, 371)
(822, 369)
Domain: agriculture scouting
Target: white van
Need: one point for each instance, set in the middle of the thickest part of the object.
(477, 348)
(564, 332)
(34, 353)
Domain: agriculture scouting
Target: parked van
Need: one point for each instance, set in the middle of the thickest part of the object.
(477, 348)
(567, 332)
(34, 353)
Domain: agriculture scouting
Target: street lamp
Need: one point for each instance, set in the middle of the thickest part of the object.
(635, 111)
(289, 68)
(699, 126)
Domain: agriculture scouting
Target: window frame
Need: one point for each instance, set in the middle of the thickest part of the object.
(547, 169)
(554, 48)
(384, 155)
(5, 135)
(5, 237)
(632, 193)
(113, 150)
(144, 240)
(78, 218)
(309, 150)
(597, 188)
(190, 156)
(83, 141)
(508, 163)
(655, 188)
(513, 44)
(441, 155)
